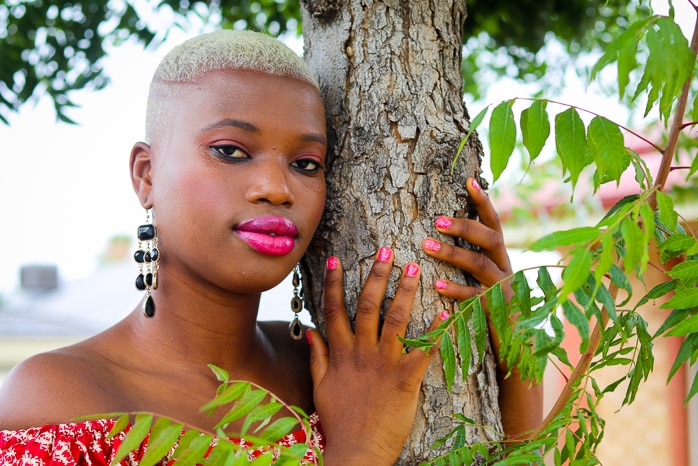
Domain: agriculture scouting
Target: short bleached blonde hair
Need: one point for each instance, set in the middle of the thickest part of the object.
(220, 50)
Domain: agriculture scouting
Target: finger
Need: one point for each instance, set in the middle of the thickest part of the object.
(336, 320)
(422, 358)
(398, 316)
(456, 290)
(485, 270)
(488, 216)
(490, 241)
(319, 356)
(371, 297)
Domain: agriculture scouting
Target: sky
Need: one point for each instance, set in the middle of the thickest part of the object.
(65, 190)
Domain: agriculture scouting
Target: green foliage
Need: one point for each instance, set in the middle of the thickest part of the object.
(189, 446)
(600, 261)
(57, 48)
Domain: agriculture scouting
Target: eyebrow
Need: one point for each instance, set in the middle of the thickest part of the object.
(247, 126)
(231, 122)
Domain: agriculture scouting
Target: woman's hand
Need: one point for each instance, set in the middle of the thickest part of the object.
(365, 386)
(520, 402)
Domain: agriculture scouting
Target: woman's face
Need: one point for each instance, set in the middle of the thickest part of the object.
(238, 185)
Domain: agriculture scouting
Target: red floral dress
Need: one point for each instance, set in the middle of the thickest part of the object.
(87, 444)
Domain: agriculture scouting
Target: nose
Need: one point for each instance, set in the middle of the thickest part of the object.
(271, 183)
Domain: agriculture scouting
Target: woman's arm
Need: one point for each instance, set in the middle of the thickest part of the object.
(521, 402)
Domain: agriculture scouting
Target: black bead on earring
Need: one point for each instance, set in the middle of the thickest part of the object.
(295, 328)
(147, 257)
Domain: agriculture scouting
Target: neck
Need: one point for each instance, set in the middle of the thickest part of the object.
(192, 329)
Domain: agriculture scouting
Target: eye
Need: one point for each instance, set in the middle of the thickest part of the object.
(307, 165)
(229, 152)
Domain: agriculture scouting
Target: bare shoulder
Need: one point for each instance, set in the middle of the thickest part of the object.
(50, 388)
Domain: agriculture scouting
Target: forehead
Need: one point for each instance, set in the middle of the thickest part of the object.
(256, 96)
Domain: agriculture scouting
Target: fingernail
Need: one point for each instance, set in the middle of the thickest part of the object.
(443, 222)
(411, 270)
(431, 245)
(309, 337)
(440, 285)
(475, 184)
(444, 315)
(384, 254)
(332, 263)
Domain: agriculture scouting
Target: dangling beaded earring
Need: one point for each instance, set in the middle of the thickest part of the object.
(147, 257)
(295, 328)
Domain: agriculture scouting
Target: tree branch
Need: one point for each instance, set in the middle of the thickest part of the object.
(676, 127)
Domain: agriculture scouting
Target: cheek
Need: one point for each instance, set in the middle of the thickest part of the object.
(188, 195)
(317, 202)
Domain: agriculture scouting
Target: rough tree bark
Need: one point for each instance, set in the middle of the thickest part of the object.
(390, 75)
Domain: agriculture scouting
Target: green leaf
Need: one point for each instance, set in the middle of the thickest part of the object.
(229, 394)
(261, 412)
(265, 459)
(448, 355)
(522, 292)
(192, 447)
(571, 143)
(243, 406)
(608, 149)
(624, 45)
(676, 245)
(683, 299)
(657, 292)
(221, 374)
(667, 214)
(693, 390)
(535, 127)
(473, 126)
(676, 316)
(686, 271)
(163, 436)
(134, 437)
(480, 326)
(576, 272)
(120, 424)
(571, 237)
(688, 348)
(279, 428)
(502, 137)
(632, 236)
(463, 342)
(577, 318)
(685, 327)
(605, 258)
(546, 283)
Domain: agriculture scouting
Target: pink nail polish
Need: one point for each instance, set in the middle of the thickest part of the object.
(440, 285)
(431, 245)
(475, 184)
(332, 263)
(443, 222)
(384, 254)
(444, 315)
(411, 270)
(309, 337)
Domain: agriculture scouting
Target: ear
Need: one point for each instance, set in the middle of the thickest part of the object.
(141, 173)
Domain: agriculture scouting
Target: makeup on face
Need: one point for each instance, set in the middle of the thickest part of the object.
(269, 234)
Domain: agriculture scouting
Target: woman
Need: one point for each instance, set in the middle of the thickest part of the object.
(232, 171)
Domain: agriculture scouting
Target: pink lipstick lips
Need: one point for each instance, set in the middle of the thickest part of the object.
(272, 235)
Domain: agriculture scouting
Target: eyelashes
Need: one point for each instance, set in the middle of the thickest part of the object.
(307, 165)
(230, 152)
(235, 154)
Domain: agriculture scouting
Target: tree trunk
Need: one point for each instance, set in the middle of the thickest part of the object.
(390, 75)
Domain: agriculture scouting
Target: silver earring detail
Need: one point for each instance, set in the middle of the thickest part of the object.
(147, 257)
(295, 328)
